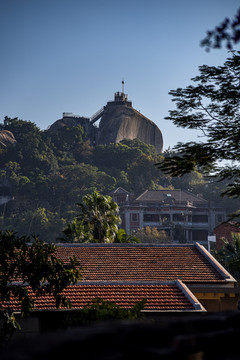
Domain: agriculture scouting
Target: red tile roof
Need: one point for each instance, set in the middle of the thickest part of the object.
(141, 262)
(127, 273)
(160, 296)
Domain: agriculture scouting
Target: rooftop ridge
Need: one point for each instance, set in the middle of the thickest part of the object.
(172, 191)
(121, 245)
(141, 194)
(120, 187)
(127, 283)
(215, 263)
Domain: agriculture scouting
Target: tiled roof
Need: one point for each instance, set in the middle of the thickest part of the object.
(177, 195)
(160, 296)
(141, 262)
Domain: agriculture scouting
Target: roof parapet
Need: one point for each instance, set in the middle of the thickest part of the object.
(196, 304)
(227, 276)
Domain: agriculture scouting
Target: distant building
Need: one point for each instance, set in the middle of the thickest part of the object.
(165, 209)
(226, 231)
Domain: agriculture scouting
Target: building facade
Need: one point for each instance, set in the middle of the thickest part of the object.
(225, 231)
(167, 210)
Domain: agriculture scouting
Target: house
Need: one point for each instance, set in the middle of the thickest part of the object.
(164, 209)
(152, 264)
(226, 231)
(175, 278)
(162, 296)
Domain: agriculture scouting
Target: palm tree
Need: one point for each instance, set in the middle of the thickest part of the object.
(99, 216)
(122, 237)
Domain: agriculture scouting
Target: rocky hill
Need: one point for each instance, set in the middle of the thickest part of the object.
(6, 138)
(118, 121)
(124, 122)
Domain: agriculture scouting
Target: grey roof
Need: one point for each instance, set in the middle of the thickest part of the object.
(120, 190)
(175, 195)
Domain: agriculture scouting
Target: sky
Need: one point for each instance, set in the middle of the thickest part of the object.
(72, 55)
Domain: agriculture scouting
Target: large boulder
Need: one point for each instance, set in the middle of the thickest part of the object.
(6, 138)
(120, 121)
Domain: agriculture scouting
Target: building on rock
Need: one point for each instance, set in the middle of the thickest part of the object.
(118, 121)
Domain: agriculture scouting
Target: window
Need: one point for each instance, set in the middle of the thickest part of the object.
(199, 235)
(134, 217)
(178, 217)
(151, 217)
(200, 218)
(165, 217)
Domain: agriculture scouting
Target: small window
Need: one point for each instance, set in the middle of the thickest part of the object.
(151, 217)
(200, 218)
(134, 217)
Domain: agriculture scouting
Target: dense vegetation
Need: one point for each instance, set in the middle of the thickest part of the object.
(38, 268)
(46, 173)
(210, 105)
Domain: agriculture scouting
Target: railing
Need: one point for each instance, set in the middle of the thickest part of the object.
(97, 115)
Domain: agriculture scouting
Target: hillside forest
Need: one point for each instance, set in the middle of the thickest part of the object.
(46, 173)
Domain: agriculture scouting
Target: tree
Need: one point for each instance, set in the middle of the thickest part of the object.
(122, 237)
(152, 235)
(97, 221)
(178, 233)
(212, 106)
(228, 31)
(142, 173)
(67, 138)
(35, 266)
(229, 255)
(99, 310)
(40, 221)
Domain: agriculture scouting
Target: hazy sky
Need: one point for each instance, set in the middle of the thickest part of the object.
(71, 55)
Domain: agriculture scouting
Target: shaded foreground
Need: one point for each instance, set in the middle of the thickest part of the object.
(176, 336)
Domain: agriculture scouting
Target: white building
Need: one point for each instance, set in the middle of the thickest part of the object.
(165, 209)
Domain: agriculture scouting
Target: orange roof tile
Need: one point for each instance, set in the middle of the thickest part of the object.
(141, 262)
(160, 296)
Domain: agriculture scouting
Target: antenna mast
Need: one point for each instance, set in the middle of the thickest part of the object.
(123, 86)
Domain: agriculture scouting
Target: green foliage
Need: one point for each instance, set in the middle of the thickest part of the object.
(142, 173)
(97, 221)
(39, 221)
(150, 234)
(99, 309)
(74, 232)
(211, 106)
(131, 162)
(34, 266)
(228, 31)
(122, 237)
(178, 234)
(50, 172)
(67, 139)
(229, 255)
